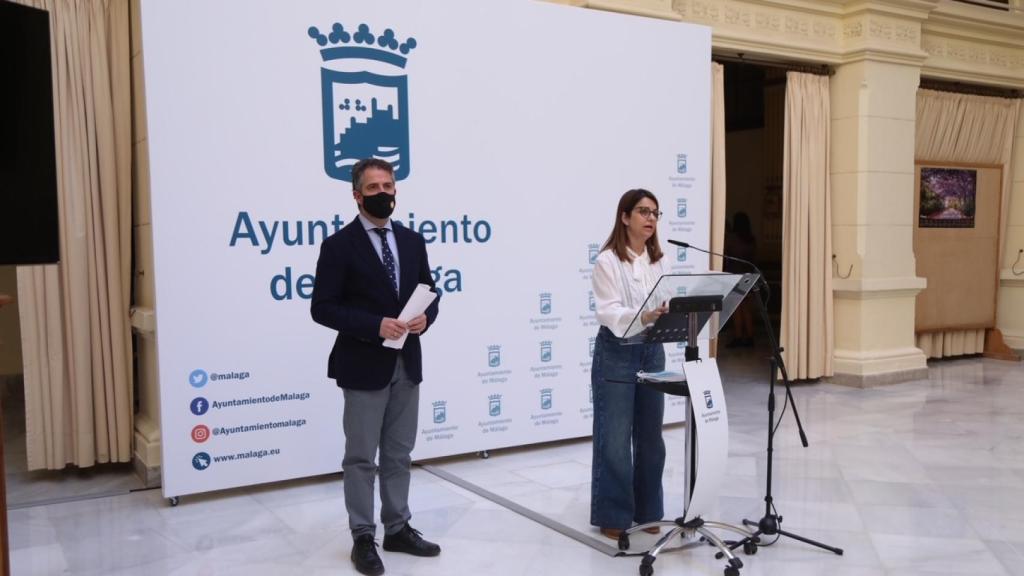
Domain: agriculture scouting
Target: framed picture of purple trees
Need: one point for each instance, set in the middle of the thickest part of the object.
(948, 197)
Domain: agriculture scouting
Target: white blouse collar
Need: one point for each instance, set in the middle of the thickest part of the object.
(641, 256)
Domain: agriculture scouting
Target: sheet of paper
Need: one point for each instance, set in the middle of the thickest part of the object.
(417, 304)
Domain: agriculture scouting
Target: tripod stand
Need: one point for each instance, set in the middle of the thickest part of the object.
(770, 523)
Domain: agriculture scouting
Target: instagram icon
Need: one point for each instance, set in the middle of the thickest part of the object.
(200, 434)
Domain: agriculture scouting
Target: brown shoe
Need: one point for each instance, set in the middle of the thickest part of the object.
(612, 533)
(653, 530)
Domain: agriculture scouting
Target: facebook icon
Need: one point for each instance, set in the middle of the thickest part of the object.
(199, 406)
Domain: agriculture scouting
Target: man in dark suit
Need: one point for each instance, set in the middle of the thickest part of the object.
(365, 274)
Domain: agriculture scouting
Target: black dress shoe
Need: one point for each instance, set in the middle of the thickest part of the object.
(408, 540)
(365, 557)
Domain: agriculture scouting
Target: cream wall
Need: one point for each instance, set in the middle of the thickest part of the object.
(1010, 315)
(879, 49)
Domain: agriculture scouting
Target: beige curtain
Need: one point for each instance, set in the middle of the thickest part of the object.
(975, 130)
(807, 316)
(76, 339)
(717, 163)
(717, 176)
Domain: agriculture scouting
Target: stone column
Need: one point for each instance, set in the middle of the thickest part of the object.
(147, 421)
(874, 94)
(1010, 315)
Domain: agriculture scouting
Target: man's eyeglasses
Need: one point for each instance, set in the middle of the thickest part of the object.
(648, 212)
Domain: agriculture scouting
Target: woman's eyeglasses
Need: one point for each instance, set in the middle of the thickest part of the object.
(648, 212)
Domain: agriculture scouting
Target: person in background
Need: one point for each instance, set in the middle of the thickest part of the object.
(629, 452)
(740, 243)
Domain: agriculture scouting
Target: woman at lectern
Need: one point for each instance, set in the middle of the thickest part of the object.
(629, 452)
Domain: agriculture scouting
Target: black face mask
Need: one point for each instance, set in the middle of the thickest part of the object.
(380, 205)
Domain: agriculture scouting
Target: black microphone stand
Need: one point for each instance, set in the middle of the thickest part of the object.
(769, 524)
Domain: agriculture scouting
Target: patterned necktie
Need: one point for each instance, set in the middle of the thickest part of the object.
(388, 256)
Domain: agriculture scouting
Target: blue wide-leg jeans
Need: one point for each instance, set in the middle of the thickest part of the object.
(629, 452)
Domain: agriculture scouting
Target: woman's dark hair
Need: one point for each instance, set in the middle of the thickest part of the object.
(618, 240)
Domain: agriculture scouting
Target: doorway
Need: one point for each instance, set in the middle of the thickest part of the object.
(754, 124)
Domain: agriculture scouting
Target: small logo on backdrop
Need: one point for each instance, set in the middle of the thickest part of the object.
(365, 113)
(440, 412)
(681, 207)
(590, 393)
(591, 305)
(199, 406)
(681, 163)
(680, 254)
(545, 399)
(198, 378)
(545, 351)
(707, 400)
(592, 340)
(494, 356)
(494, 405)
(545, 303)
(592, 251)
(200, 434)
(201, 461)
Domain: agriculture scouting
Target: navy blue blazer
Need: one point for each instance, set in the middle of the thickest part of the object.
(352, 293)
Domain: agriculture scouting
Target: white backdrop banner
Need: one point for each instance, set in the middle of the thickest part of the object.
(514, 125)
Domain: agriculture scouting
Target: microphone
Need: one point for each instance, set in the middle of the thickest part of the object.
(682, 244)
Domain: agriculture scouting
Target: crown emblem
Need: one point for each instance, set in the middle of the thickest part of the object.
(339, 44)
(494, 397)
(440, 403)
(365, 105)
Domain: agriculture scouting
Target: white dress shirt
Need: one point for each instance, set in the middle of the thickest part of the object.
(620, 289)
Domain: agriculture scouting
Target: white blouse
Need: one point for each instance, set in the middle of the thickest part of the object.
(620, 289)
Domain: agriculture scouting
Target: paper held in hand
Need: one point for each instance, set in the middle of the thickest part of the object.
(417, 304)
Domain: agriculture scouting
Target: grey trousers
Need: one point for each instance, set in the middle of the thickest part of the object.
(386, 419)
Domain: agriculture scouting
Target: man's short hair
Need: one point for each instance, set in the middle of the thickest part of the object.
(366, 163)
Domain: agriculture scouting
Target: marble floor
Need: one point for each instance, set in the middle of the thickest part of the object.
(924, 477)
(27, 488)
